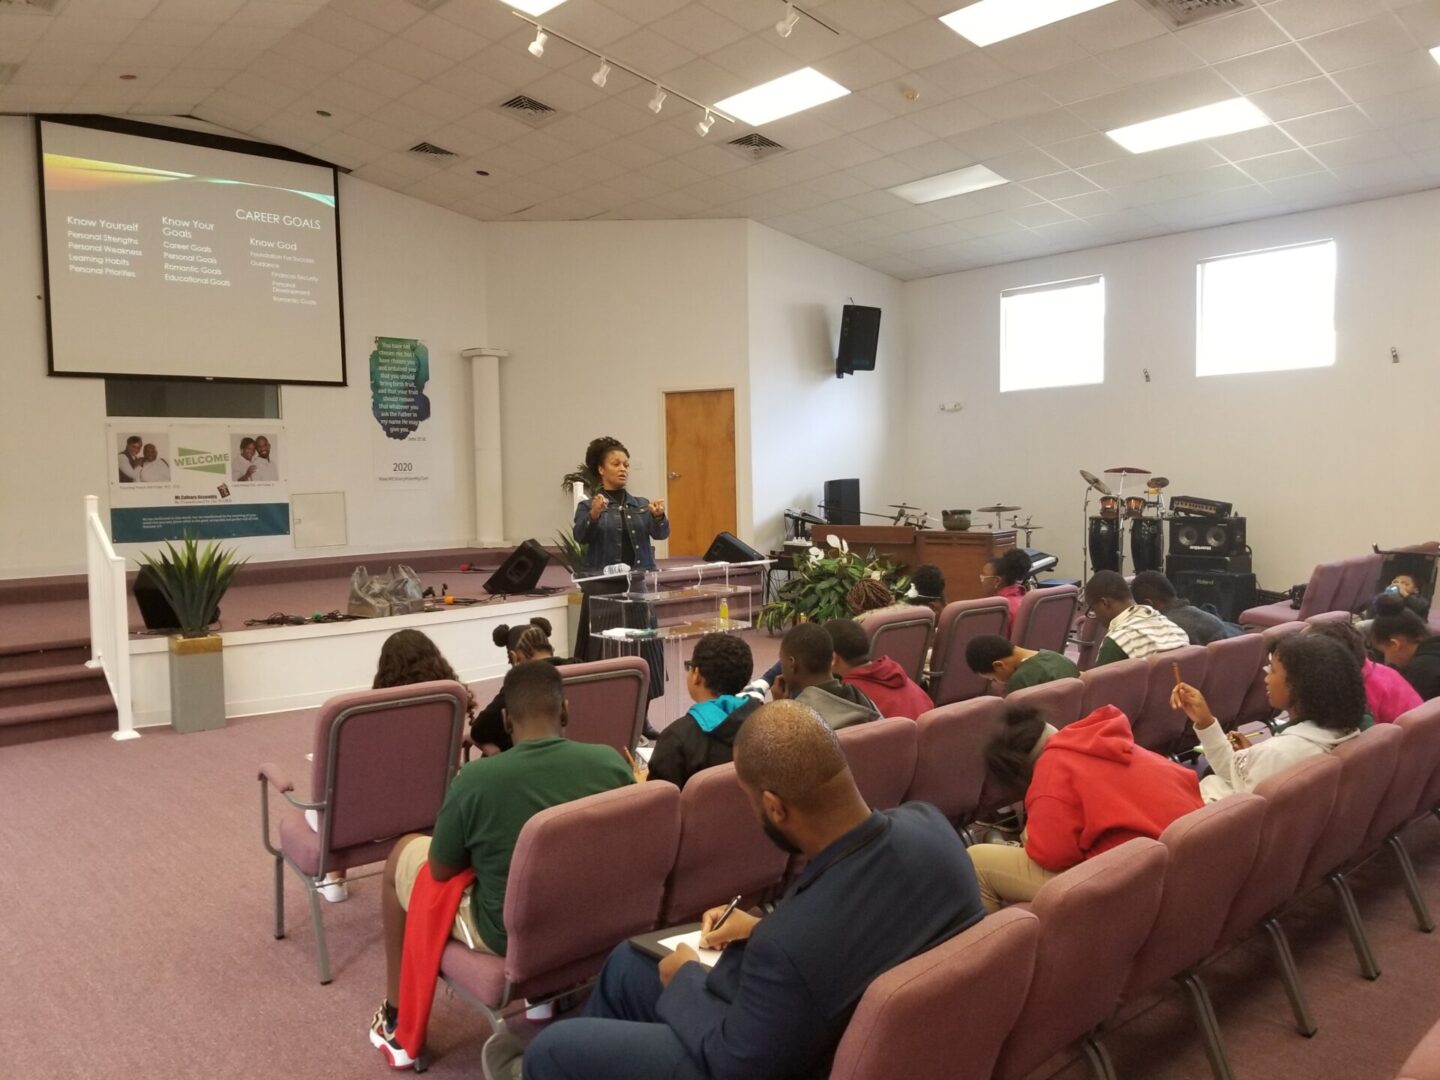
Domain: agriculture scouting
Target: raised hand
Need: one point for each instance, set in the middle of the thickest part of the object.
(598, 505)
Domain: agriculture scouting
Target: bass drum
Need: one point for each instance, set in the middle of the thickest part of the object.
(1147, 544)
(1104, 544)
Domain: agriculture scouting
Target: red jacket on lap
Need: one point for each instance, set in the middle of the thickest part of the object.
(1093, 789)
(885, 683)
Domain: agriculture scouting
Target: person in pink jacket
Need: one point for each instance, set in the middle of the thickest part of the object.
(1388, 694)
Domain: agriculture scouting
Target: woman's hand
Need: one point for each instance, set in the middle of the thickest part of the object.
(598, 505)
(658, 508)
(1193, 704)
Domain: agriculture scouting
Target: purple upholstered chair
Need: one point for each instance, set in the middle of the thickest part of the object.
(1044, 618)
(943, 1014)
(1298, 803)
(960, 623)
(1093, 920)
(1122, 684)
(904, 636)
(722, 851)
(1159, 727)
(1212, 851)
(1088, 635)
(1328, 617)
(1359, 583)
(1255, 705)
(1367, 766)
(382, 762)
(882, 759)
(606, 701)
(1417, 768)
(585, 876)
(1229, 672)
(950, 757)
(1320, 594)
(1059, 700)
(1424, 1061)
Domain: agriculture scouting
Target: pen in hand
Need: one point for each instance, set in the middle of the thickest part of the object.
(725, 914)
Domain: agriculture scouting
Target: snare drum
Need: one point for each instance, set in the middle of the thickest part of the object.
(1135, 506)
(1109, 507)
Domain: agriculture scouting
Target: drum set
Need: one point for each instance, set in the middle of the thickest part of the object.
(1104, 548)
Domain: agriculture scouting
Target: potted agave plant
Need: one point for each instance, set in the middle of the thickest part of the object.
(193, 579)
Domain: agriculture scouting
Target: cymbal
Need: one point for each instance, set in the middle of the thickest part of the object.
(1028, 528)
(997, 509)
(1095, 482)
(1159, 483)
(1129, 470)
(902, 506)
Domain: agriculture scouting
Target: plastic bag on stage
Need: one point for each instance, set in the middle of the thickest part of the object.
(407, 595)
(369, 596)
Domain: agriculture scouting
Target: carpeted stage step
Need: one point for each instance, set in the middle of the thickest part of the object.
(47, 692)
(57, 719)
(30, 655)
(39, 685)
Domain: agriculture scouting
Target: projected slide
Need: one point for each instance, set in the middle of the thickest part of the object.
(172, 259)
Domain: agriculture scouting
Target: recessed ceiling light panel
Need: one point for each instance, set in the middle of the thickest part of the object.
(533, 7)
(789, 94)
(948, 185)
(989, 21)
(1206, 122)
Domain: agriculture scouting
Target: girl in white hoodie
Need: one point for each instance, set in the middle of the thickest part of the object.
(1312, 678)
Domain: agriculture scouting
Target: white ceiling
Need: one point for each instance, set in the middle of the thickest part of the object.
(1349, 84)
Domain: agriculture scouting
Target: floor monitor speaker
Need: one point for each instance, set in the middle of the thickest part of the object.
(521, 570)
(727, 547)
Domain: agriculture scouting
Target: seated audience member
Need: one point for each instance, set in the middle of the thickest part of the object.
(1404, 639)
(883, 681)
(1089, 788)
(807, 676)
(776, 1007)
(1153, 589)
(1132, 631)
(1005, 577)
(1387, 694)
(927, 586)
(1310, 676)
(489, 801)
(869, 597)
(527, 641)
(1408, 591)
(716, 675)
(1015, 668)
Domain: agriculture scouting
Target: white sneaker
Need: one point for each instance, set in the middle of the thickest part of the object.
(334, 888)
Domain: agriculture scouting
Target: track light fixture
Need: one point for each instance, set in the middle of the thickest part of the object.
(537, 47)
(787, 24)
(702, 128)
(602, 74)
(657, 100)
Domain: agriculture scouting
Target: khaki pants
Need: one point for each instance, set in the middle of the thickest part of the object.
(1006, 875)
(413, 856)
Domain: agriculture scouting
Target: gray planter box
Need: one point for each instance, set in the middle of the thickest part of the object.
(197, 683)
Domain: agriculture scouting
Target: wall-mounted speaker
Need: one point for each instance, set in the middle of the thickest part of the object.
(1207, 536)
(842, 502)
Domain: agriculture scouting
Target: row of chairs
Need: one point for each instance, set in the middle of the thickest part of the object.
(1343, 585)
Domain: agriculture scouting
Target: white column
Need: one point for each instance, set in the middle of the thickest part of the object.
(489, 478)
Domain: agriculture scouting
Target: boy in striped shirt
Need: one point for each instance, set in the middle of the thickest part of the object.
(1132, 631)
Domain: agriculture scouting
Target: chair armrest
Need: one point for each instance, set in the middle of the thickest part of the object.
(278, 780)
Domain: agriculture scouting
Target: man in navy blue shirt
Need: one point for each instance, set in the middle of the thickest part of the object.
(880, 888)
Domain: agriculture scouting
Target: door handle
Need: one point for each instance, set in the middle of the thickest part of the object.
(672, 476)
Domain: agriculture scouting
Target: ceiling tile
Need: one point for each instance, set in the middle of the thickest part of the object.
(1011, 100)
(989, 141)
(589, 23)
(1299, 99)
(866, 19)
(1327, 126)
(385, 14)
(1267, 68)
(1024, 165)
(1050, 127)
(922, 44)
(1232, 35)
(950, 118)
(1406, 108)
(754, 60)
(860, 67)
(1086, 150)
(968, 74)
(445, 38)
(1362, 43)
(698, 28)
(1083, 79)
(1249, 144)
(345, 31)
(1393, 75)
(1302, 18)
(1061, 185)
(647, 51)
(1371, 146)
(1272, 167)
(410, 59)
(1040, 50)
(1153, 59)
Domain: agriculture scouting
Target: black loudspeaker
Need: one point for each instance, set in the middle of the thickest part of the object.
(521, 570)
(1207, 536)
(727, 547)
(859, 339)
(842, 502)
(154, 608)
(1147, 544)
(1228, 594)
(1104, 544)
(1229, 564)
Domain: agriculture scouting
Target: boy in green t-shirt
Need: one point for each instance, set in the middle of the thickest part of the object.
(1015, 668)
(488, 803)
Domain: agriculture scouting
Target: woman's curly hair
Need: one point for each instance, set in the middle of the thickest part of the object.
(1325, 684)
(597, 451)
(407, 657)
(868, 594)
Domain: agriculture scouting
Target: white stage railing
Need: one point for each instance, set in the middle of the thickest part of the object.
(109, 616)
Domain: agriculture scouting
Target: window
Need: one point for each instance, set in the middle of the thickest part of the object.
(1267, 310)
(1053, 335)
(191, 397)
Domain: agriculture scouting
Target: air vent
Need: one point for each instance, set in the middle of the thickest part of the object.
(527, 110)
(755, 147)
(1189, 12)
(431, 149)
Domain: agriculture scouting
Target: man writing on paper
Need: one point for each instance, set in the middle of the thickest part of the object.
(778, 1000)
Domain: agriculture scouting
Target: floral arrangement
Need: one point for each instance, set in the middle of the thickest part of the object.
(822, 577)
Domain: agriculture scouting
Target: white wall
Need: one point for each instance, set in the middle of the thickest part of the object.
(808, 426)
(411, 270)
(602, 318)
(1322, 462)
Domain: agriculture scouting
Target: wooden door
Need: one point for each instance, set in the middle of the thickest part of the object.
(700, 467)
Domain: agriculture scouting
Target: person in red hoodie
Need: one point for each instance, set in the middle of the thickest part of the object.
(883, 681)
(1090, 789)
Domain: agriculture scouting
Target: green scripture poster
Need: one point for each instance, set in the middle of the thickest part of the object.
(399, 374)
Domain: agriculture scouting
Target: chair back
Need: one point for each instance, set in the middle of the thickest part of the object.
(1231, 668)
(569, 898)
(1044, 618)
(722, 851)
(1122, 684)
(950, 755)
(1359, 582)
(1367, 765)
(606, 701)
(383, 760)
(1416, 768)
(1212, 851)
(1093, 920)
(1328, 617)
(1322, 589)
(907, 1024)
(1059, 700)
(904, 636)
(960, 623)
(882, 759)
(1159, 727)
(1089, 635)
(1297, 809)
(1272, 634)
(1430, 797)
